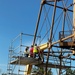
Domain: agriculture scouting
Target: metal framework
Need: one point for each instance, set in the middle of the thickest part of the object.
(69, 44)
(16, 53)
(56, 25)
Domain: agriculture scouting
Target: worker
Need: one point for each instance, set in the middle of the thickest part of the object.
(35, 51)
(26, 52)
(31, 51)
(40, 54)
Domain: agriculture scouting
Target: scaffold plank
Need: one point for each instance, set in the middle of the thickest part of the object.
(26, 61)
(53, 66)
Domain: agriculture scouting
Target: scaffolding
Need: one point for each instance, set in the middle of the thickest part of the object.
(17, 61)
(59, 49)
(16, 52)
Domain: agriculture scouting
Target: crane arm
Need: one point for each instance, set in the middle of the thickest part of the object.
(44, 46)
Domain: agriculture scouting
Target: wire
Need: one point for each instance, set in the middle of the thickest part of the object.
(46, 17)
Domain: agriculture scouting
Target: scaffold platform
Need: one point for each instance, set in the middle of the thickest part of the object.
(50, 65)
(26, 61)
(36, 62)
(67, 45)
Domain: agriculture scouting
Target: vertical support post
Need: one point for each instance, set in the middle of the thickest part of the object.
(74, 19)
(63, 26)
(20, 51)
(38, 20)
(28, 69)
(60, 70)
(51, 35)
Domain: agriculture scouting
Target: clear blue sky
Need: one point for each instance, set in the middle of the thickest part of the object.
(16, 16)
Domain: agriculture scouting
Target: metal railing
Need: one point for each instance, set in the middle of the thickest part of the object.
(64, 34)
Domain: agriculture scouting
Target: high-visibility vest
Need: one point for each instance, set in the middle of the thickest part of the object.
(35, 50)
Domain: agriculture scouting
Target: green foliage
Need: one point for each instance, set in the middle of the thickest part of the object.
(69, 72)
(50, 72)
(40, 71)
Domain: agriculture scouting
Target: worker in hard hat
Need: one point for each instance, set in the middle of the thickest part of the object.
(31, 51)
(26, 52)
(35, 51)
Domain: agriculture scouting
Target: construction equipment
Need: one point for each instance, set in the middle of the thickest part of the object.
(60, 46)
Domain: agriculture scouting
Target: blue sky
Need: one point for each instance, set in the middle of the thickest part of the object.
(16, 16)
